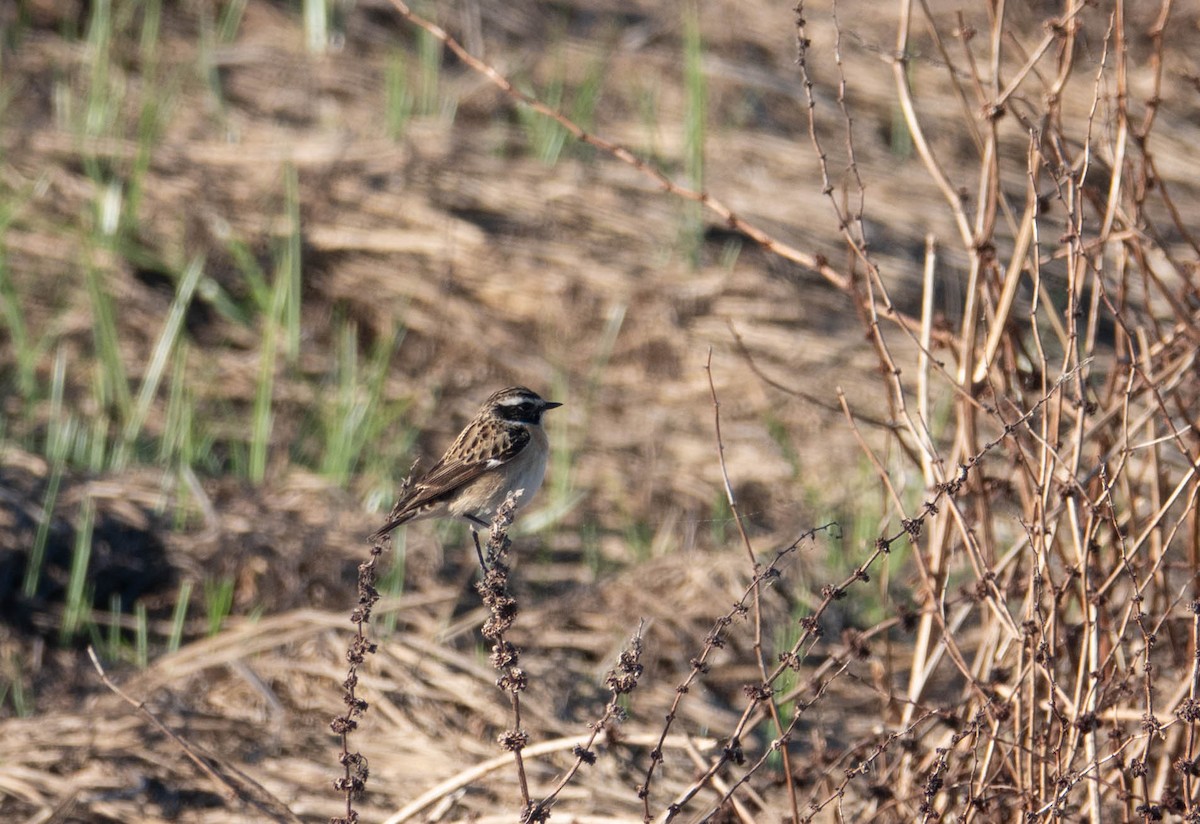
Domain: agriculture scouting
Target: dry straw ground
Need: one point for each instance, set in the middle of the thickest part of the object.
(948, 275)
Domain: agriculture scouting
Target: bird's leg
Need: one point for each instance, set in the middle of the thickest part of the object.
(477, 524)
(478, 548)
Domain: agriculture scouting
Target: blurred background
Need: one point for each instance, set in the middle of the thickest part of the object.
(257, 257)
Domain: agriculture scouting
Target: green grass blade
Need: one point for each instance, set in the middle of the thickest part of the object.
(256, 279)
(115, 386)
(177, 431)
(91, 446)
(166, 343)
(355, 418)
(76, 609)
(111, 648)
(429, 55)
(59, 435)
(345, 417)
(261, 422)
(230, 21)
(399, 102)
(22, 705)
(292, 262)
(218, 598)
(316, 25)
(283, 318)
(179, 616)
(141, 635)
(37, 554)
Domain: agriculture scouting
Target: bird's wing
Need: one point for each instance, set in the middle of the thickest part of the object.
(482, 447)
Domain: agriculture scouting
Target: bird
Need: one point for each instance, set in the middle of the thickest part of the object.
(503, 449)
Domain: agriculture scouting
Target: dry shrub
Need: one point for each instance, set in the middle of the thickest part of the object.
(1052, 665)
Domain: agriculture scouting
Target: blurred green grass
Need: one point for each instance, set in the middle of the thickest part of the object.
(137, 392)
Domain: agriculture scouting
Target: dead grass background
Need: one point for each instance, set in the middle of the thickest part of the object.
(501, 269)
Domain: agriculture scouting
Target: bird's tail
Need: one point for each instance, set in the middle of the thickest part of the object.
(381, 533)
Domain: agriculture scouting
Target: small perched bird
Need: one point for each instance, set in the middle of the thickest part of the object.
(502, 450)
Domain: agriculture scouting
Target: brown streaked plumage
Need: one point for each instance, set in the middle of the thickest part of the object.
(502, 450)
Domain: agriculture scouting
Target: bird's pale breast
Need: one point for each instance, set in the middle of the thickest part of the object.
(524, 472)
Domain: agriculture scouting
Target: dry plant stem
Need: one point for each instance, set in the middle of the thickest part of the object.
(722, 790)
(853, 233)
(819, 682)
(1147, 379)
(353, 781)
(921, 443)
(759, 660)
(811, 624)
(1142, 132)
(904, 95)
(864, 289)
(1150, 722)
(1072, 195)
(758, 694)
(621, 680)
(779, 743)
(820, 403)
(1012, 276)
(226, 789)
(921, 447)
(1189, 713)
(817, 263)
(505, 657)
(863, 766)
(714, 640)
(727, 215)
(927, 286)
(851, 226)
(1120, 144)
(932, 584)
(555, 745)
(1063, 528)
(790, 659)
(276, 810)
(932, 572)
(966, 347)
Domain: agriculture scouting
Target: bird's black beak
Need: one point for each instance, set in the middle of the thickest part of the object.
(550, 405)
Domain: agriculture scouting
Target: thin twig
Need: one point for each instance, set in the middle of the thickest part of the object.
(759, 660)
(266, 803)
